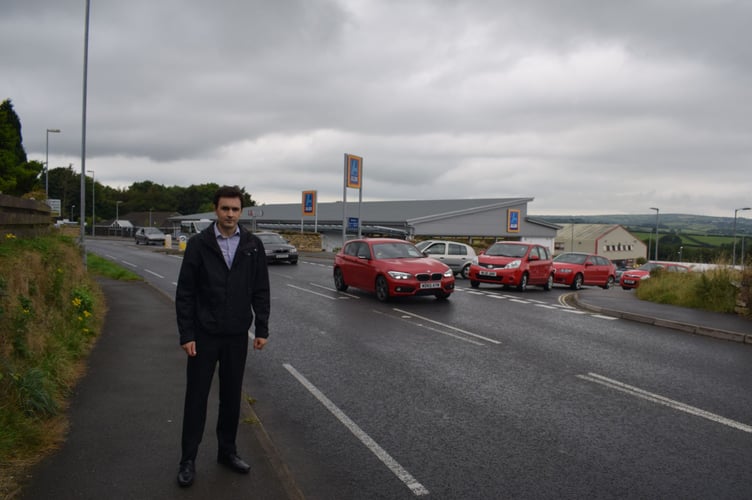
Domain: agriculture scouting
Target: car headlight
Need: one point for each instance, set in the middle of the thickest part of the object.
(448, 273)
(513, 265)
(564, 270)
(647, 276)
(293, 250)
(399, 275)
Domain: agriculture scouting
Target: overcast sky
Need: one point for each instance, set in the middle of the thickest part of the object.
(588, 106)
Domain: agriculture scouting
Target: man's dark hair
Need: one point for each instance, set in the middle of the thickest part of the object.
(228, 192)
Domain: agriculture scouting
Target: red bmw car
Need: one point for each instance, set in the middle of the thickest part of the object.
(632, 277)
(390, 268)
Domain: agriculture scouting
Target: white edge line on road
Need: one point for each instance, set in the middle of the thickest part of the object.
(155, 274)
(655, 398)
(334, 290)
(404, 476)
(464, 339)
(449, 326)
(128, 263)
(311, 291)
(600, 316)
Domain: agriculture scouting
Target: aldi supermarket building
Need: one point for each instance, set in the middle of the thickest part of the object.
(460, 219)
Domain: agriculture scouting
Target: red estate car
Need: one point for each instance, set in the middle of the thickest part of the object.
(513, 263)
(632, 277)
(390, 268)
(575, 269)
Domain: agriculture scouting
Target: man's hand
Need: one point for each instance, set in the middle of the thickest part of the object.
(190, 348)
(259, 343)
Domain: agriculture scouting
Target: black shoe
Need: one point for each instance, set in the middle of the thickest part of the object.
(234, 462)
(187, 473)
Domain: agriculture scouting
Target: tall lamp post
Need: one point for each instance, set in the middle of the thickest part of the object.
(733, 258)
(47, 162)
(92, 204)
(656, 231)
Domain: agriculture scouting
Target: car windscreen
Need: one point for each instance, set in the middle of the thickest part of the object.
(506, 250)
(274, 239)
(571, 258)
(395, 251)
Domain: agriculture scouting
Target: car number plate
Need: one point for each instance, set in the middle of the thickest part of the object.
(487, 273)
(430, 285)
(629, 282)
(281, 256)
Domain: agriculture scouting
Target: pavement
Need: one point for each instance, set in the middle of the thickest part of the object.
(126, 416)
(126, 412)
(626, 305)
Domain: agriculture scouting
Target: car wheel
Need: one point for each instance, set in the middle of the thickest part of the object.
(474, 284)
(465, 271)
(549, 283)
(577, 282)
(523, 283)
(382, 289)
(136, 242)
(609, 283)
(339, 280)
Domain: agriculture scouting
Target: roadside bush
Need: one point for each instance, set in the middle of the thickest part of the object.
(710, 290)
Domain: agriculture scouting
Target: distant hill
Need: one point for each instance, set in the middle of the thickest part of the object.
(680, 223)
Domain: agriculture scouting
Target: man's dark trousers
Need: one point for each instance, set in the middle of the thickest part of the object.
(230, 351)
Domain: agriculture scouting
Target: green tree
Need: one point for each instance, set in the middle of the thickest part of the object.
(17, 175)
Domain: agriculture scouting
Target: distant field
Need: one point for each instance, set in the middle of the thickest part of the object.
(693, 239)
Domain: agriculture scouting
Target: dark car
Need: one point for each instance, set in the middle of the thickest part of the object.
(277, 248)
(391, 268)
(575, 269)
(514, 263)
(149, 236)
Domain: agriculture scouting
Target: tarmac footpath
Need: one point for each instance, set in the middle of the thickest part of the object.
(626, 305)
(126, 416)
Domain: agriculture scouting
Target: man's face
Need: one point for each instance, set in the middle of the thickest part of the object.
(228, 213)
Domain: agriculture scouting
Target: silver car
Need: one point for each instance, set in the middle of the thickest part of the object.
(458, 256)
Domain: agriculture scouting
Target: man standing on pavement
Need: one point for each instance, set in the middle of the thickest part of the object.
(223, 282)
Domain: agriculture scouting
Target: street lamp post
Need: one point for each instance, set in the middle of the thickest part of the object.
(93, 231)
(733, 258)
(656, 231)
(47, 162)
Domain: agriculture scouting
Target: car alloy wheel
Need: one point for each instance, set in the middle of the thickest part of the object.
(549, 283)
(523, 283)
(577, 282)
(382, 289)
(609, 283)
(339, 280)
(465, 271)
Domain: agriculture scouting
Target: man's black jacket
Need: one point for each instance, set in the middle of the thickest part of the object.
(221, 301)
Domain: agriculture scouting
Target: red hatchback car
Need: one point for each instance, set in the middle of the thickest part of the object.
(575, 269)
(390, 268)
(632, 277)
(512, 263)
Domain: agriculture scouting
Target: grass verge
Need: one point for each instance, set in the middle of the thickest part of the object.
(51, 312)
(710, 290)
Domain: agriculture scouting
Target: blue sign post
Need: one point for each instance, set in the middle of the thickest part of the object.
(353, 179)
